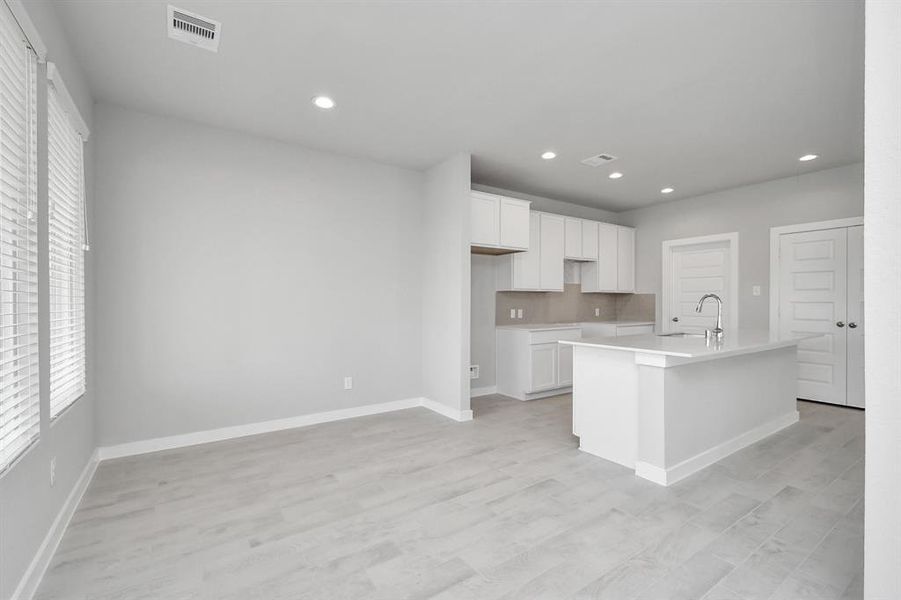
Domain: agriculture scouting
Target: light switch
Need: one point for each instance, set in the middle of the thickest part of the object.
(755, 290)
(348, 383)
(512, 313)
(597, 312)
(518, 313)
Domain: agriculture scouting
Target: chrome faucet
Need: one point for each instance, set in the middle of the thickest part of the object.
(717, 332)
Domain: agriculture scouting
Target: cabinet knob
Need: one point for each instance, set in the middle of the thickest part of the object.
(852, 325)
(675, 319)
(839, 323)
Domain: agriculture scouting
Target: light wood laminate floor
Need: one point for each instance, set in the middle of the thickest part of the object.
(413, 505)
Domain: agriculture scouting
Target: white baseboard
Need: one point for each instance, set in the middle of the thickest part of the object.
(692, 465)
(450, 413)
(227, 433)
(30, 581)
(482, 391)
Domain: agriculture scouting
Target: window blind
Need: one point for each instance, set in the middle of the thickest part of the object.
(19, 387)
(66, 254)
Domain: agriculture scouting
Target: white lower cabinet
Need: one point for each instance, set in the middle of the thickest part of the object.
(531, 364)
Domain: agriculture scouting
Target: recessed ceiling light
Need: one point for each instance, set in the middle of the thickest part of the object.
(807, 157)
(324, 102)
(667, 191)
(548, 155)
(615, 175)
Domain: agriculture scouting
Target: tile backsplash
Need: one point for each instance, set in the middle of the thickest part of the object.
(572, 306)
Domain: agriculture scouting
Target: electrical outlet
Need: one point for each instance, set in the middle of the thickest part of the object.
(473, 371)
(518, 313)
(52, 470)
(512, 313)
(755, 290)
(597, 312)
(348, 383)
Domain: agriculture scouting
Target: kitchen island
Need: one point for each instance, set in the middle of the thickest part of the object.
(668, 406)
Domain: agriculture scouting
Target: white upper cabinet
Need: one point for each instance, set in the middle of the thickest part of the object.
(552, 247)
(581, 241)
(498, 225)
(625, 257)
(614, 270)
(573, 232)
(590, 240)
(514, 223)
(540, 269)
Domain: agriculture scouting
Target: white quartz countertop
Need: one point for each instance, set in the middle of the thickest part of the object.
(555, 326)
(742, 341)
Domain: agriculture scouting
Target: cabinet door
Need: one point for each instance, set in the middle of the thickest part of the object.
(608, 246)
(484, 217)
(543, 368)
(625, 271)
(855, 329)
(514, 223)
(572, 238)
(564, 365)
(589, 240)
(527, 265)
(551, 243)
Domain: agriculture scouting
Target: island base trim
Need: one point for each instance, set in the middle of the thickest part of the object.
(690, 466)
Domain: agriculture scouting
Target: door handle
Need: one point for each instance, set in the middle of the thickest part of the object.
(852, 325)
(839, 323)
(675, 319)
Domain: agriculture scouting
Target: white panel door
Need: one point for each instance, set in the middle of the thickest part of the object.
(812, 300)
(625, 259)
(856, 324)
(484, 218)
(552, 234)
(526, 265)
(573, 238)
(699, 269)
(543, 374)
(514, 226)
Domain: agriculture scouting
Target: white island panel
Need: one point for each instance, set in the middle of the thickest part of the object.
(670, 407)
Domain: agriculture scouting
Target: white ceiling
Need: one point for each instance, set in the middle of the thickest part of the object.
(699, 96)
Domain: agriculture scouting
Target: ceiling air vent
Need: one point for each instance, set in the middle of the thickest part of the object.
(598, 160)
(193, 29)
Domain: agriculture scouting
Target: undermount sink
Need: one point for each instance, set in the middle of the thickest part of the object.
(681, 334)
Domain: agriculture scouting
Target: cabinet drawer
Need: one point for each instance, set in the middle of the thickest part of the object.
(548, 337)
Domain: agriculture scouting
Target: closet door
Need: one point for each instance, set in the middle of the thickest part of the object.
(813, 281)
(855, 317)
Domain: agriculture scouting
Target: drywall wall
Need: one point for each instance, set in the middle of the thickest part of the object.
(28, 503)
(751, 211)
(482, 338)
(446, 286)
(882, 289)
(241, 279)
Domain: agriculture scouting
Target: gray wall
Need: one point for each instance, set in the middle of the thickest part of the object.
(482, 339)
(446, 283)
(751, 211)
(28, 504)
(240, 279)
(553, 206)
